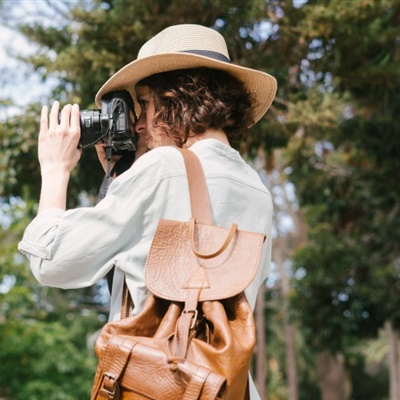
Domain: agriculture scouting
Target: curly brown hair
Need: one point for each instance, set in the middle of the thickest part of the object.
(194, 100)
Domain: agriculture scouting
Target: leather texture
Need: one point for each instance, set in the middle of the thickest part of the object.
(195, 336)
(222, 276)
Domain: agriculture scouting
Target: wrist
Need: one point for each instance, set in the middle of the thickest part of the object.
(54, 189)
(54, 169)
(55, 179)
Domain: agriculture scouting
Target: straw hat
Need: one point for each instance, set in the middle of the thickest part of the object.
(190, 46)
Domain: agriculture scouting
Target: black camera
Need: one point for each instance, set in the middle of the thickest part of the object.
(113, 124)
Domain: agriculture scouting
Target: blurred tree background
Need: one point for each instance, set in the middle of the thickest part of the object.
(328, 149)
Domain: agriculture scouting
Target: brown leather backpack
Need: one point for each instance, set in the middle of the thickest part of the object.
(195, 336)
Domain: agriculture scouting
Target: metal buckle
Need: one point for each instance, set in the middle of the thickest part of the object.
(194, 318)
(112, 383)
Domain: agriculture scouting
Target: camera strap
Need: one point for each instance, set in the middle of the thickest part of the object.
(108, 178)
(104, 187)
(123, 164)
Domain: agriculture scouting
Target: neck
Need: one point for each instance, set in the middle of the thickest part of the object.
(217, 134)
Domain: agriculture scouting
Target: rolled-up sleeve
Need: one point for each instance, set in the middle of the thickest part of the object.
(63, 247)
(40, 233)
(60, 256)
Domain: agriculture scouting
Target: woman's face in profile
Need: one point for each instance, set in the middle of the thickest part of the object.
(149, 136)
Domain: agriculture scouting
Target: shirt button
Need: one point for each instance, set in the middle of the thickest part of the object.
(44, 253)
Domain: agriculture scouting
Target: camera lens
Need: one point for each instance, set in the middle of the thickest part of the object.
(90, 127)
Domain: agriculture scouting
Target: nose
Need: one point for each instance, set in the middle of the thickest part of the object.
(140, 124)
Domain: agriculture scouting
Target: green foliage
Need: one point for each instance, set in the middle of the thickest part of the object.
(339, 301)
(346, 172)
(18, 136)
(44, 332)
(43, 357)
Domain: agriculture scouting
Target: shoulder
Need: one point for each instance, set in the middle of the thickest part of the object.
(154, 175)
(157, 156)
(157, 164)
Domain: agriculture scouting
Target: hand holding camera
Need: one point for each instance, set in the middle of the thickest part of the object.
(63, 135)
(58, 139)
(111, 129)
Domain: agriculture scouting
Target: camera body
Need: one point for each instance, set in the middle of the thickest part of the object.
(113, 124)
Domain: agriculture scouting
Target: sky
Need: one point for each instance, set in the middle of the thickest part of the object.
(17, 80)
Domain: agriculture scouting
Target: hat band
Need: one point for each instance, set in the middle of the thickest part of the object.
(210, 54)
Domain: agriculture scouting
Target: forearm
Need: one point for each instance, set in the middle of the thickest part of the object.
(53, 193)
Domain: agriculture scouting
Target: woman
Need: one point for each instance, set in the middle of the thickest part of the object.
(190, 96)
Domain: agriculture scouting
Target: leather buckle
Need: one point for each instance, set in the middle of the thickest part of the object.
(194, 318)
(109, 385)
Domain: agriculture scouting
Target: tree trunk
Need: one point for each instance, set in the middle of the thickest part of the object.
(280, 245)
(333, 380)
(394, 362)
(261, 347)
(291, 368)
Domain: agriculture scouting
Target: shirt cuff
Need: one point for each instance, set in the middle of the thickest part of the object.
(33, 242)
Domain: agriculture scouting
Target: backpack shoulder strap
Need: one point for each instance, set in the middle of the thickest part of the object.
(199, 199)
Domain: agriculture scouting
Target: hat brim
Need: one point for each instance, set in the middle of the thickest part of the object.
(260, 85)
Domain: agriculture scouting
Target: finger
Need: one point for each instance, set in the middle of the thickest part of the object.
(75, 117)
(65, 116)
(54, 115)
(44, 120)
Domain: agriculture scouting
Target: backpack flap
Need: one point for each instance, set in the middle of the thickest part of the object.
(189, 255)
